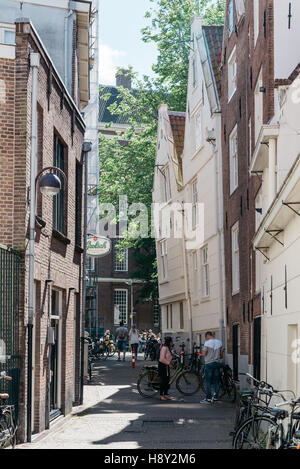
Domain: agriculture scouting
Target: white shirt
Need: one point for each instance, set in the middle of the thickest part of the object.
(134, 336)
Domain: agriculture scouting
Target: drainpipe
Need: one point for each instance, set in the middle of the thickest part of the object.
(34, 64)
(86, 148)
(67, 47)
(272, 170)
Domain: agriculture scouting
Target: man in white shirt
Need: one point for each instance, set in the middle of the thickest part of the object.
(213, 355)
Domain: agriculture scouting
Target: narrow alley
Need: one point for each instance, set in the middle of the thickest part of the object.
(115, 416)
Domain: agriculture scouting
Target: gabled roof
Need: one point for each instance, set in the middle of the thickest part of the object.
(177, 121)
(214, 40)
(104, 114)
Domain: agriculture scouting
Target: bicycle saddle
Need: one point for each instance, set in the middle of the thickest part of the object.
(4, 396)
(279, 413)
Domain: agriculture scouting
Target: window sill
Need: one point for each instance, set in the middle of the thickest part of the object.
(61, 237)
(163, 282)
(231, 96)
(234, 293)
(205, 299)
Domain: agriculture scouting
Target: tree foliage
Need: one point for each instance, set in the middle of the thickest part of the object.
(127, 160)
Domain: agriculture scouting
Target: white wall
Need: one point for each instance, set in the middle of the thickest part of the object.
(286, 41)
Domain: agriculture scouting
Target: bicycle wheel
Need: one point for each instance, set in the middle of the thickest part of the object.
(148, 383)
(7, 430)
(111, 350)
(254, 433)
(188, 383)
(227, 392)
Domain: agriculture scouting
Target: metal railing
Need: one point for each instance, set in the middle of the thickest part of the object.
(9, 322)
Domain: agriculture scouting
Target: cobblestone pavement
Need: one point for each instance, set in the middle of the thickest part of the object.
(115, 416)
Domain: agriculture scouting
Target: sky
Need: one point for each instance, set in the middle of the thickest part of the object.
(120, 38)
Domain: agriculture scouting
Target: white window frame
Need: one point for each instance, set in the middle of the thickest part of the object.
(195, 273)
(163, 253)
(230, 17)
(124, 303)
(258, 106)
(7, 29)
(250, 139)
(233, 160)
(120, 265)
(205, 272)
(235, 253)
(256, 20)
(195, 218)
(232, 74)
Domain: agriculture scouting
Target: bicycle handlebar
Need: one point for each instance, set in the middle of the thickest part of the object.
(292, 402)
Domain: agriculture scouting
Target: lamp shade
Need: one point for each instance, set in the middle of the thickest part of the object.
(50, 184)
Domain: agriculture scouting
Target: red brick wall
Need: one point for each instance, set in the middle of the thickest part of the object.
(240, 206)
(54, 258)
(7, 130)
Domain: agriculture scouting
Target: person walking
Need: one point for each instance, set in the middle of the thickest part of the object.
(121, 336)
(213, 355)
(164, 365)
(134, 340)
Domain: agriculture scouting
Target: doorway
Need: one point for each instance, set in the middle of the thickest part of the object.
(235, 350)
(55, 355)
(257, 348)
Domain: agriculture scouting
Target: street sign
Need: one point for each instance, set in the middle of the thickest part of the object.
(98, 246)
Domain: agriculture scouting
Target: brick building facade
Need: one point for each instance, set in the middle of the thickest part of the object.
(58, 253)
(247, 102)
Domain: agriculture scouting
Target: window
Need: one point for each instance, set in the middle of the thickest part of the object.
(256, 20)
(198, 130)
(195, 72)
(232, 74)
(258, 103)
(171, 316)
(233, 160)
(120, 306)
(230, 17)
(250, 139)
(7, 36)
(194, 204)
(166, 184)
(195, 274)
(167, 317)
(78, 204)
(164, 259)
(205, 273)
(120, 260)
(235, 259)
(59, 215)
(181, 317)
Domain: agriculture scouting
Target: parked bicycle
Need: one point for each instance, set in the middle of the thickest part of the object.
(8, 425)
(258, 425)
(187, 382)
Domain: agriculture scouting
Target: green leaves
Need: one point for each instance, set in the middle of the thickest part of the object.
(127, 160)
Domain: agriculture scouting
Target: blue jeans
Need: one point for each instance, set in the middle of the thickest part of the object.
(212, 373)
(134, 348)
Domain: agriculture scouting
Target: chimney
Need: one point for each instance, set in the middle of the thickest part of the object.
(123, 78)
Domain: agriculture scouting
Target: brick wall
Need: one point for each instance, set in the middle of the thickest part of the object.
(55, 255)
(240, 206)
